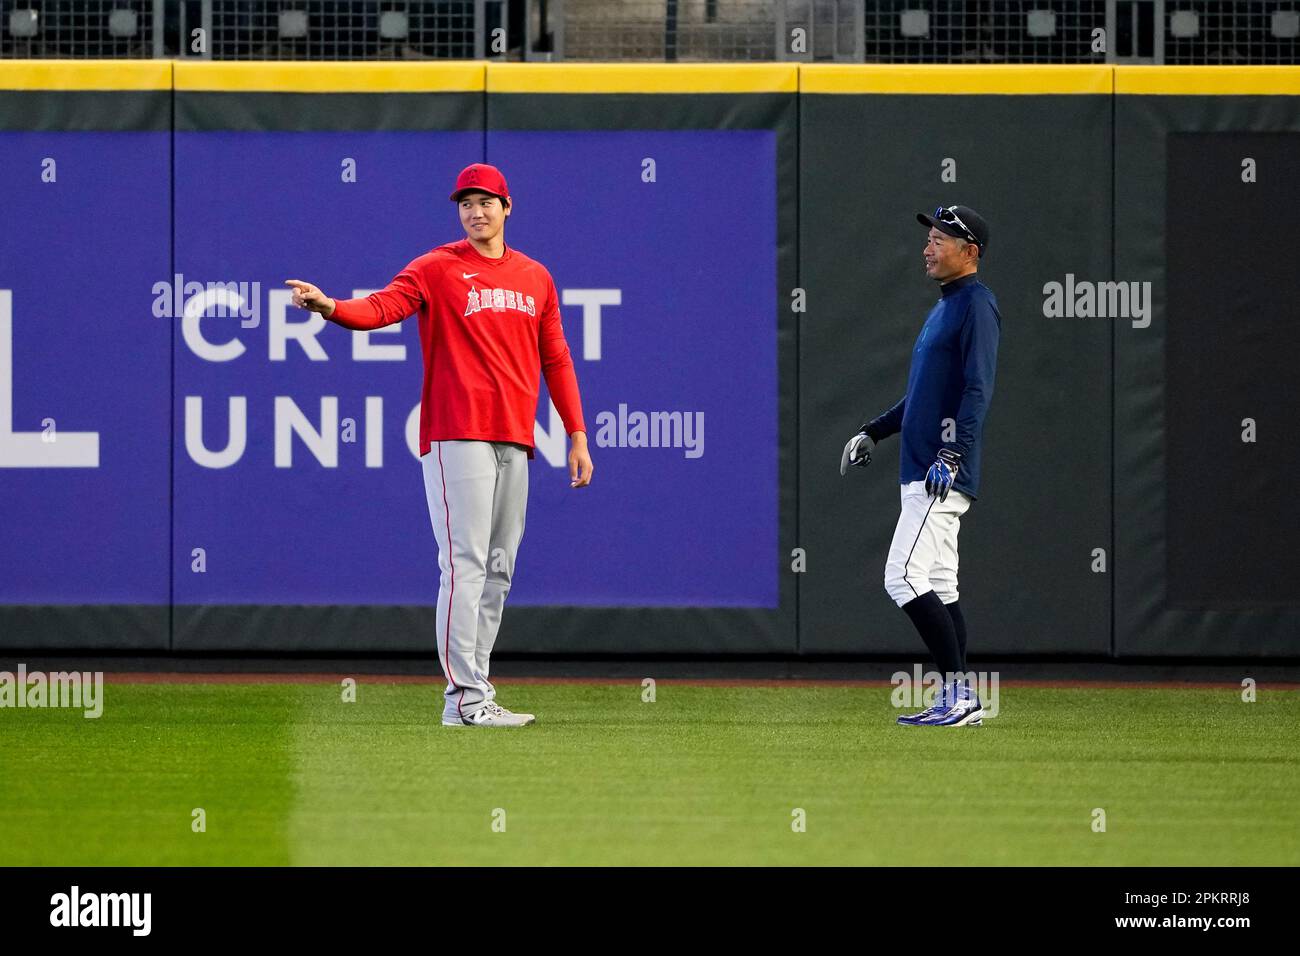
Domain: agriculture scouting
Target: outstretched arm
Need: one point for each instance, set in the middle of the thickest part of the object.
(400, 298)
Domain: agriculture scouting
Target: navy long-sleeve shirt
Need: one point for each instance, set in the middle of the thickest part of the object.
(953, 366)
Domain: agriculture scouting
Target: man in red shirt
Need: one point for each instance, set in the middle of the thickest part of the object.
(489, 319)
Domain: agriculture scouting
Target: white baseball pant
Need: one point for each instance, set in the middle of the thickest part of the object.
(923, 554)
(478, 495)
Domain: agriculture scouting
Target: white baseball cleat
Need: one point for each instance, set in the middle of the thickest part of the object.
(490, 714)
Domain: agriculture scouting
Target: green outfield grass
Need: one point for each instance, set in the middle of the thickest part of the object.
(288, 774)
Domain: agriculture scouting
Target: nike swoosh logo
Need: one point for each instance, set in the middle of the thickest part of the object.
(469, 275)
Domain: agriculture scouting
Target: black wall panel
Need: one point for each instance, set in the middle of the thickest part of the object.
(1205, 562)
(1038, 169)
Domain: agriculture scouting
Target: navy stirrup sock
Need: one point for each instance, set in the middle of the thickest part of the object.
(959, 625)
(936, 628)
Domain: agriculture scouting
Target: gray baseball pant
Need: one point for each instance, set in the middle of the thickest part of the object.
(478, 495)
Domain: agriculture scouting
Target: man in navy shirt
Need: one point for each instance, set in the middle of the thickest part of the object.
(941, 418)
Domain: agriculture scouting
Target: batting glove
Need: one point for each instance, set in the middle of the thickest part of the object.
(856, 452)
(939, 479)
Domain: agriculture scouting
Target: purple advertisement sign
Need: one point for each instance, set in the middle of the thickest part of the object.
(85, 370)
(293, 476)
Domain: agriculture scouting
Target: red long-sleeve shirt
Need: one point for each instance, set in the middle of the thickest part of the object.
(486, 326)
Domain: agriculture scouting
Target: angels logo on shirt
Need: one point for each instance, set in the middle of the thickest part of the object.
(480, 299)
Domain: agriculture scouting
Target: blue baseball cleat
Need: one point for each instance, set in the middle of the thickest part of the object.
(964, 709)
(940, 706)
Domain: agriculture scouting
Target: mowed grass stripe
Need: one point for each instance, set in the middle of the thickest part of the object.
(291, 774)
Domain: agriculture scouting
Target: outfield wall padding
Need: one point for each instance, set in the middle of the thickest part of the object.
(1121, 512)
(1205, 560)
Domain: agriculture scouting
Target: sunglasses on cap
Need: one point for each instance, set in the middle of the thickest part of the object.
(949, 215)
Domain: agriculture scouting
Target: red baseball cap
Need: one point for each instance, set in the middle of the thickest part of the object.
(480, 177)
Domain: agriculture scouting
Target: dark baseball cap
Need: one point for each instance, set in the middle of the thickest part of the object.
(481, 178)
(963, 222)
